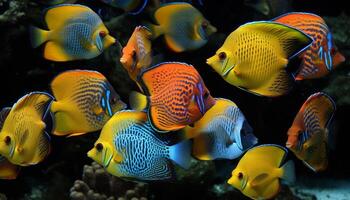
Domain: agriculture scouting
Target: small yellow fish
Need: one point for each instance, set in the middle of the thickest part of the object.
(254, 57)
(183, 26)
(223, 132)
(23, 139)
(308, 137)
(128, 147)
(74, 32)
(85, 100)
(137, 52)
(259, 171)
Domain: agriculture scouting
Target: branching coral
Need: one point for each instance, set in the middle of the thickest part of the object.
(97, 184)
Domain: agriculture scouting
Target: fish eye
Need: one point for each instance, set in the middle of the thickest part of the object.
(222, 55)
(7, 140)
(103, 34)
(333, 51)
(205, 24)
(99, 147)
(240, 175)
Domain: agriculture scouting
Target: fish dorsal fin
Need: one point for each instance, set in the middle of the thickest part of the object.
(162, 14)
(326, 107)
(40, 101)
(292, 41)
(63, 84)
(57, 16)
(273, 154)
(3, 115)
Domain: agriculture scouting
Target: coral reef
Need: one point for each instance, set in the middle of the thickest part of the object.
(97, 184)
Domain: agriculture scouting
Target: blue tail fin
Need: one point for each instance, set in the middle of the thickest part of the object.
(181, 153)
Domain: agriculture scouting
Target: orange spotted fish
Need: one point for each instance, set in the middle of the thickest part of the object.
(309, 136)
(175, 96)
(322, 56)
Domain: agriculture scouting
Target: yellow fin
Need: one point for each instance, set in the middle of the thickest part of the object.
(57, 16)
(279, 84)
(273, 154)
(138, 101)
(291, 40)
(200, 147)
(38, 36)
(75, 134)
(37, 100)
(55, 52)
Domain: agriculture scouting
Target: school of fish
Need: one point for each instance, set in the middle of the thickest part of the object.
(173, 98)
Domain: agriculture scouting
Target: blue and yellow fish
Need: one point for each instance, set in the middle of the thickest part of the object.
(23, 138)
(309, 135)
(258, 173)
(128, 147)
(254, 57)
(74, 32)
(85, 100)
(183, 26)
(222, 133)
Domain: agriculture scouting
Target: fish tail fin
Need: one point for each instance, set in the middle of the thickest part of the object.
(288, 172)
(38, 36)
(200, 149)
(138, 101)
(180, 153)
(156, 30)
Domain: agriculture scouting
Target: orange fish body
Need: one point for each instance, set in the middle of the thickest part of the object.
(322, 56)
(308, 136)
(137, 52)
(176, 94)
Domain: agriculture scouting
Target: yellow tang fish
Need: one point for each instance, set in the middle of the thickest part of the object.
(85, 100)
(223, 132)
(308, 137)
(259, 171)
(23, 139)
(183, 26)
(128, 147)
(74, 32)
(137, 52)
(254, 57)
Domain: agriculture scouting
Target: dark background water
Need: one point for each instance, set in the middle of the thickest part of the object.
(22, 70)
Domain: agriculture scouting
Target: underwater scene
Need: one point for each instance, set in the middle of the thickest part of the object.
(172, 100)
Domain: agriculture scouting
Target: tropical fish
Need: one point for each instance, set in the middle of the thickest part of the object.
(176, 96)
(131, 6)
(85, 100)
(308, 137)
(259, 171)
(183, 26)
(322, 56)
(223, 132)
(137, 52)
(23, 139)
(128, 147)
(8, 170)
(74, 32)
(254, 57)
